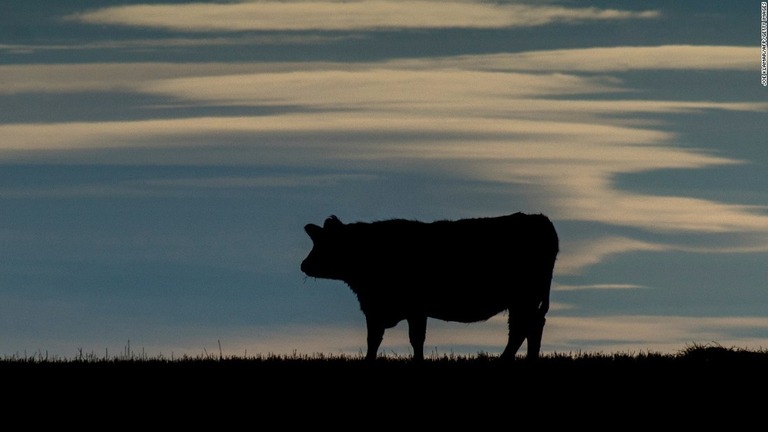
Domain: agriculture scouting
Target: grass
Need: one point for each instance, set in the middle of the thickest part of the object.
(696, 355)
(640, 386)
(693, 372)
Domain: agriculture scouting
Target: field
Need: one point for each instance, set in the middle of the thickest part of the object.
(699, 385)
(691, 363)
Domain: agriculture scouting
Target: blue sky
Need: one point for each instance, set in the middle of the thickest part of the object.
(159, 159)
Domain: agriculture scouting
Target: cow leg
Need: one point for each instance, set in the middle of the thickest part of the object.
(417, 333)
(375, 336)
(517, 333)
(536, 323)
(534, 336)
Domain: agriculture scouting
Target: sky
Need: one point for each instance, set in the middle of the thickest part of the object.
(159, 160)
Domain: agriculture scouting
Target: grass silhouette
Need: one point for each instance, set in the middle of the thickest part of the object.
(639, 389)
(692, 356)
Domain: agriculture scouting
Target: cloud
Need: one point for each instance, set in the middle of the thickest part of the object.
(347, 15)
(175, 42)
(617, 59)
(255, 182)
(561, 287)
(454, 117)
(583, 254)
(478, 74)
(377, 89)
(668, 213)
(67, 78)
(179, 186)
(572, 160)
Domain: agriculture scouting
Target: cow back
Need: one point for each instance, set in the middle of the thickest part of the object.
(466, 270)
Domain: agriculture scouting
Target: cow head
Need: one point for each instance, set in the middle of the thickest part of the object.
(326, 260)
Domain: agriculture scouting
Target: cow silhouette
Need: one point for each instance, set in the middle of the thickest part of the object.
(466, 270)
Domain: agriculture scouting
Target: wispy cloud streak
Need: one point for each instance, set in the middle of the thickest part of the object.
(174, 42)
(458, 117)
(348, 15)
(618, 59)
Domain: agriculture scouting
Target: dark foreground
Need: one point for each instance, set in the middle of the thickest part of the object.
(694, 385)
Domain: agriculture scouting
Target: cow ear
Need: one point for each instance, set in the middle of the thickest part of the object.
(332, 221)
(313, 231)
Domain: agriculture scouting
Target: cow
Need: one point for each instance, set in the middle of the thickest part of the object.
(465, 270)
